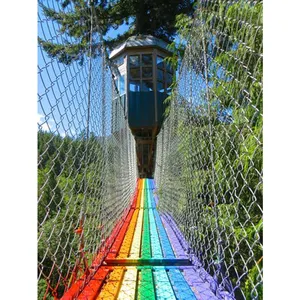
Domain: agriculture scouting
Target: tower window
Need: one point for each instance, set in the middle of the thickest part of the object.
(147, 60)
(160, 62)
(147, 86)
(135, 73)
(147, 72)
(134, 61)
(160, 87)
(134, 86)
(160, 75)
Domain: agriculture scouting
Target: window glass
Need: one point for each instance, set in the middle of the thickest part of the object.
(122, 85)
(134, 60)
(147, 86)
(134, 86)
(169, 68)
(134, 73)
(160, 62)
(168, 91)
(160, 75)
(147, 72)
(160, 87)
(169, 78)
(147, 59)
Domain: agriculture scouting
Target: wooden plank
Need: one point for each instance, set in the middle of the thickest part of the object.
(146, 288)
(163, 286)
(126, 245)
(128, 287)
(111, 288)
(136, 243)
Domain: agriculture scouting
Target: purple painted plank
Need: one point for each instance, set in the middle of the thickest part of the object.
(177, 231)
(200, 287)
(202, 283)
(205, 276)
(179, 251)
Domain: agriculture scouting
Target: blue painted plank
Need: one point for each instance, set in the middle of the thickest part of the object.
(166, 245)
(163, 288)
(155, 243)
(181, 288)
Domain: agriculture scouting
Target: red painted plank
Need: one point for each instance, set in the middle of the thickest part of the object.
(92, 289)
(119, 239)
(74, 290)
(116, 237)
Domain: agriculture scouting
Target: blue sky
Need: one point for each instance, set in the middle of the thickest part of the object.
(62, 90)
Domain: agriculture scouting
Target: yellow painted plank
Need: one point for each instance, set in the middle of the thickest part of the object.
(128, 287)
(138, 200)
(142, 194)
(136, 243)
(111, 289)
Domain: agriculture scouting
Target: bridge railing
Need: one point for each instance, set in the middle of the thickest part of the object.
(209, 152)
(86, 156)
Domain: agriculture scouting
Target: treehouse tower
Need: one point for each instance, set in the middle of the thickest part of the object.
(143, 80)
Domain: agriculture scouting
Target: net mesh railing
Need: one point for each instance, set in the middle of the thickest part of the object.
(209, 151)
(86, 157)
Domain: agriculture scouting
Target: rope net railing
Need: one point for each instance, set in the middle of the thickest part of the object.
(209, 152)
(86, 157)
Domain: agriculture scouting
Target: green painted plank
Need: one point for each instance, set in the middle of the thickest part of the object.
(146, 242)
(146, 284)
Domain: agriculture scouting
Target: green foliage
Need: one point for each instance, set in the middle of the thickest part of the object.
(66, 186)
(79, 20)
(50, 198)
(42, 289)
(253, 285)
(183, 25)
(220, 178)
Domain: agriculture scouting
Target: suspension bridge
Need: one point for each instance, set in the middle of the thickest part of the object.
(149, 187)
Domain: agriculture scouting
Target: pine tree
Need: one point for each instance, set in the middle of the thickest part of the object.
(153, 17)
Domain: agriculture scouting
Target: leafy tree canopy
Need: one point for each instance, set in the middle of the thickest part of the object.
(153, 17)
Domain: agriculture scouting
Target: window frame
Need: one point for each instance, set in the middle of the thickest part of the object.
(167, 70)
(141, 66)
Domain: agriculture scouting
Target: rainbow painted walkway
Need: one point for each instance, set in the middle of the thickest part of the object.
(147, 260)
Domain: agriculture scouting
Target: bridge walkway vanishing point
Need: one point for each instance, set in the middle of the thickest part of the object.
(148, 258)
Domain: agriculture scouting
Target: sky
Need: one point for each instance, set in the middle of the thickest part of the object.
(62, 90)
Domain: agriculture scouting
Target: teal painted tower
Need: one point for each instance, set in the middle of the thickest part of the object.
(143, 80)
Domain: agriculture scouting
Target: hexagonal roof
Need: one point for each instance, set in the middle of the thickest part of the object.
(140, 41)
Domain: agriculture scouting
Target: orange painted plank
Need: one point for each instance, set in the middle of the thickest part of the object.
(111, 288)
(126, 245)
(120, 237)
